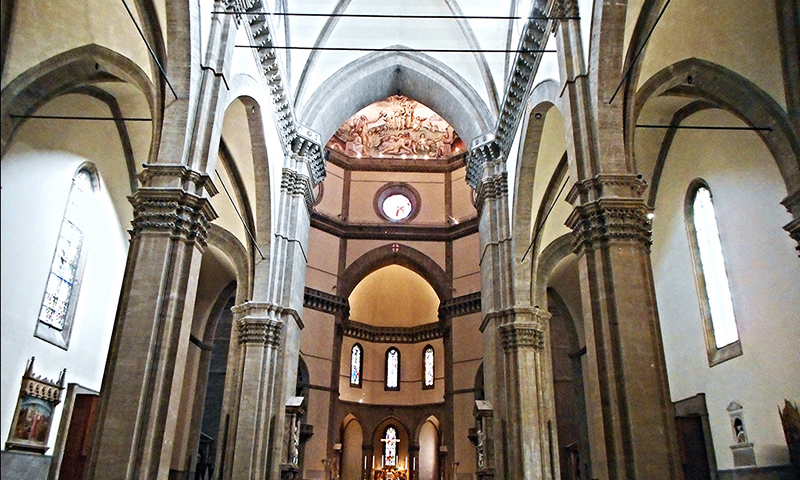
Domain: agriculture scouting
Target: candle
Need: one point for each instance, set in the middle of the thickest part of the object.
(365, 462)
(373, 462)
(414, 463)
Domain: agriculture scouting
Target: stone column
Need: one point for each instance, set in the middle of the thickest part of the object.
(143, 379)
(516, 369)
(269, 333)
(529, 394)
(290, 469)
(629, 412)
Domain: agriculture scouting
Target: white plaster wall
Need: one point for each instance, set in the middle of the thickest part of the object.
(35, 186)
(762, 267)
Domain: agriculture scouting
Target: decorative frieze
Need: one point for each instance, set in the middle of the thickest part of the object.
(295, 137)
(294, 183)
(610, 220)
(371, 333)
(519, 335)
(172, 211)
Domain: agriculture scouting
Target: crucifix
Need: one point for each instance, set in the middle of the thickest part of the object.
(391, 442)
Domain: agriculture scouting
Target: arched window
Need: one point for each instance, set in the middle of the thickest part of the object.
(356, 365)
(63, 283)
(393, 369)
(390, 447)
(428, 364)
(714, 293)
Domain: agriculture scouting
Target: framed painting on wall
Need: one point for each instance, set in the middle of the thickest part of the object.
(33, 416)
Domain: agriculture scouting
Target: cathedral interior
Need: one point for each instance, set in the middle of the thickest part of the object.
(421, 240)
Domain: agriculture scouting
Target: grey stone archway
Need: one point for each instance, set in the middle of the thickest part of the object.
(64, 73)
(723, 88)
(405, 256)
(380, 74)
(728, 90)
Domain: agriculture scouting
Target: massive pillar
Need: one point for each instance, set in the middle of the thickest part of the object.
(629, 411)
(142, 386)
(267, 339)
(516, 361)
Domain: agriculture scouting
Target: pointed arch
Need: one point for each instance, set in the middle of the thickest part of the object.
(62, 74)
(378, 75)
(730, 91)
(405, 256)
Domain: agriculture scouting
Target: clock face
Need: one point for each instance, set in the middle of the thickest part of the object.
(397, 206)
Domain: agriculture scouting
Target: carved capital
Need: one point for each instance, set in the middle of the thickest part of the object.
(493, 187)
(297, 184)
(262, 323)
(259, 331)
(176, 212)
(563, 8)
(522, 335)
(610, 220)
(482, 150)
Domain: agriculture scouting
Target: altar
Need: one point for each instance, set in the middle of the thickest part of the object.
(389, 473)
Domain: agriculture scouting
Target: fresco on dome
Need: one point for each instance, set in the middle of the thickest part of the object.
(397, 127)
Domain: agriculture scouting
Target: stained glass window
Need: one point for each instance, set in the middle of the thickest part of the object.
(393, 369)
(355, 365)
(428, 362)
(712, 279)
(390, 447)
(65, 270)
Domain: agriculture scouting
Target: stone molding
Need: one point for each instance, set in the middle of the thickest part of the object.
(497, 145)
(792, 204)
(262, 323)
(294, 183)
(325, 302)
(460, 306)
(607, 185)
(165, 176)
(522, 335)
(523, 315)
(564, 8)
(295, 138)
(371, 333)
(173, 211)
(610, 220)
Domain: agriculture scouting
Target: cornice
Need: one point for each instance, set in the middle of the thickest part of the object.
(325, 302)
(460, 306)
(398, 232)
(295, 138)
(496, 145)
(372, 333)
(418, 165)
